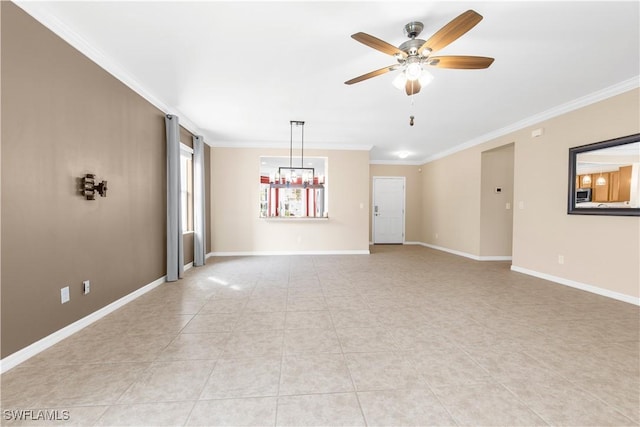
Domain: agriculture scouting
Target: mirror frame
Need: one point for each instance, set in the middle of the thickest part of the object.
(573, 155)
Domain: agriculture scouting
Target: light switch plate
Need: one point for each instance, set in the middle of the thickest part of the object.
(64, 295)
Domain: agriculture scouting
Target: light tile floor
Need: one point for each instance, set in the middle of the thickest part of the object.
(404, 336)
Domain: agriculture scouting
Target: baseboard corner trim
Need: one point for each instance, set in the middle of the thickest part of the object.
(463, 254)
(14, 359)
(578, 285)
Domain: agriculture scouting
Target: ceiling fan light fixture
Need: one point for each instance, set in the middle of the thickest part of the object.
(399, 81)
(425, 78)
(413, 71)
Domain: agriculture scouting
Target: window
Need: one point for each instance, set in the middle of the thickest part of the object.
(293, 191)
(186, 187)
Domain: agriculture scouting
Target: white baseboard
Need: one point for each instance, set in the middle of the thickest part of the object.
(28, 352)
(464, 254)
(272, 253)
(495, 258)
(578, 285)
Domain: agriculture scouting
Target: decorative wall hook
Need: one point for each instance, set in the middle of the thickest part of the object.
(89, 187)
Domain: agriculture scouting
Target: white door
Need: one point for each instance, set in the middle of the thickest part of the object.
(388, 209)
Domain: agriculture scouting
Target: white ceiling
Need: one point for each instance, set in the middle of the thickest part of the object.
(238, 72)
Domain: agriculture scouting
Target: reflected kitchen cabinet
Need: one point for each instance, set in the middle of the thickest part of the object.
(584, 181)
(601, 187)
(624, 191)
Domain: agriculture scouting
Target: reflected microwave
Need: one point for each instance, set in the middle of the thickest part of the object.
(583, 195)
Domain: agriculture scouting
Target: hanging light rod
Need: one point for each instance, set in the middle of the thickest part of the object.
(297, 175)
(297, 123)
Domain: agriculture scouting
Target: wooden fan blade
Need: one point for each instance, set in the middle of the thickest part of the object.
(371, 74)
(461, 62)
(378, 44)
(412, 87)
(450, 32)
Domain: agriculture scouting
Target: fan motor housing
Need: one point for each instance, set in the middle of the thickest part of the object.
(413, 29)
(411, 46)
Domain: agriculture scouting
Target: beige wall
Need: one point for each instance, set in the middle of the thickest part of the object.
(496, 218)
(413, 194)
(236, 227)
(63, 116)
(451, 202)
(601, 251)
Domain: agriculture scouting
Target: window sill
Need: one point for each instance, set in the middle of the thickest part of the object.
(187, 232)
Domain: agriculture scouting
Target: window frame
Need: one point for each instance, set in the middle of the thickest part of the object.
(186, 188)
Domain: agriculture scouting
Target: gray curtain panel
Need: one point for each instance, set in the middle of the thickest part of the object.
(199, 237)
(175, 250)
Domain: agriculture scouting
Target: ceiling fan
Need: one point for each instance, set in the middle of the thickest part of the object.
(414, 53)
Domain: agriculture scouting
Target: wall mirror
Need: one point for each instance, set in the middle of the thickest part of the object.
(604, 177)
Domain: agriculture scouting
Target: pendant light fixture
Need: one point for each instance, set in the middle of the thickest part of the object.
(296, 175)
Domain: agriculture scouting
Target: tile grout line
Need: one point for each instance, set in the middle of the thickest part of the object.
(344, 358)
(204, 385)
(284, 332)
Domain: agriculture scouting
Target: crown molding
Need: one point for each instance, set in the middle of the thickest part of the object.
(608, 92)
(307, 146)
(37, 11)
(397, 162)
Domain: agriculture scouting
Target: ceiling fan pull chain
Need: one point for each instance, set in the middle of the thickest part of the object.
(411, 108)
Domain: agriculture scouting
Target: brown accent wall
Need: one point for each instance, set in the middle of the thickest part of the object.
(64, 116)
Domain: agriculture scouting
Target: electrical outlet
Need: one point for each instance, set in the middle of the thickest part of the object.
(560, 259)
(86, 286)
(508, 206)
(64, 295)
